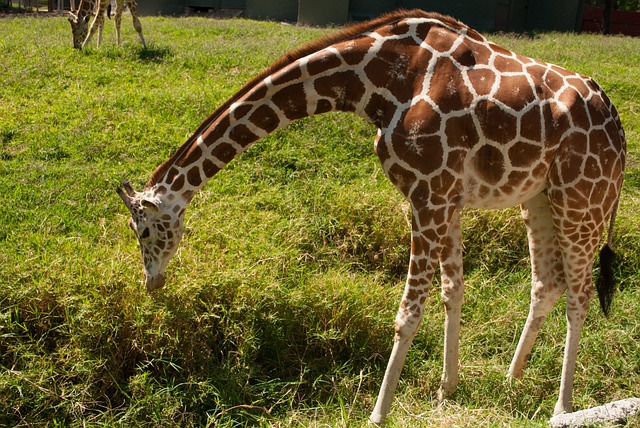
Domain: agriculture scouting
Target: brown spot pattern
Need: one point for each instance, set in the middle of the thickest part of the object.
(489, 164)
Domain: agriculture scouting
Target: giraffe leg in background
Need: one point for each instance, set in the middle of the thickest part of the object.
(133, 8)
(96, 25)
(118, 19)
(547, 284)
(452, 296)
(100, 28)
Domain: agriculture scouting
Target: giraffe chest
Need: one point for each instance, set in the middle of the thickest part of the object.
(515, 189)
(498, 176)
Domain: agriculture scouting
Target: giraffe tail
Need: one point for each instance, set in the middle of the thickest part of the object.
(605, 285)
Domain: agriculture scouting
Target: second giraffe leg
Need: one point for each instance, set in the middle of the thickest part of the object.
(579, 227)
(547, 284)
(100, 28)
(452, 296)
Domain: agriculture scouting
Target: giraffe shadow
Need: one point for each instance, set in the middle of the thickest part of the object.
(132, 52)
(153, 53)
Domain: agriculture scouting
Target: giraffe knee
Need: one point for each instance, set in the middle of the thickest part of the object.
(403, 331)
(452, 293)
(544, 295)
(406, 325)
(451, 290)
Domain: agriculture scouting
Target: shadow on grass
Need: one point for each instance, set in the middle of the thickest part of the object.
(133, 52)
(153, 53)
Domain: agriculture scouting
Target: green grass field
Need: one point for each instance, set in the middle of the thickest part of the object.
(279, 305)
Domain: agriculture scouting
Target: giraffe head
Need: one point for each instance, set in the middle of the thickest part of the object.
(79, 28)
(158, 225)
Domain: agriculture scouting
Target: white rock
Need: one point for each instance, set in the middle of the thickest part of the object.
(615, 412)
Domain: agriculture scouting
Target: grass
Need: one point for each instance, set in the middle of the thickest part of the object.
(279, 304)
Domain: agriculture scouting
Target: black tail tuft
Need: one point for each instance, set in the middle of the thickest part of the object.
(605, 284)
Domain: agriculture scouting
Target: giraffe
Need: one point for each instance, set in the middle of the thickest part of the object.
(461, 122)
(79, 20)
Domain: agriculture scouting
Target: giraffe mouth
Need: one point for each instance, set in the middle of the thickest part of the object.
(153, 283)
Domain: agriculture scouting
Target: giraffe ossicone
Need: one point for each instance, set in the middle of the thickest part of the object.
(461, 122)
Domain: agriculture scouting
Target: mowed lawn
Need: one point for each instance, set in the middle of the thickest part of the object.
(279, 306)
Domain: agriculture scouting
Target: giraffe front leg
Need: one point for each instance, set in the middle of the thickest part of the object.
(421, 269)
(402, 341)
(452, 296)
(98, 23)
(547, 284)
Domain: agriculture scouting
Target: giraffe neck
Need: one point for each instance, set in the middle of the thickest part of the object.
(315, 84)
(373, 70)
(87, 8)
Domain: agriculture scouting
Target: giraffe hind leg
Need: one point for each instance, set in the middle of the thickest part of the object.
(578, 260)
(136, 21)
(579, 225)
(547, 282)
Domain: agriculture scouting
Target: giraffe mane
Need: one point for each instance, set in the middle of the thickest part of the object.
(290, 57)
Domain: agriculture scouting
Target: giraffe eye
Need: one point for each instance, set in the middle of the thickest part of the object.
(145, 233)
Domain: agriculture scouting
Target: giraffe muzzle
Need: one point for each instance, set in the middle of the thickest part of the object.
(153, 283)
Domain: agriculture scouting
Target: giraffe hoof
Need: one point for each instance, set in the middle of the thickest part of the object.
(443, 395)
(376, 420)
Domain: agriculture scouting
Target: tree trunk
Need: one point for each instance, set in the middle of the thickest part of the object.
(606, 17)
